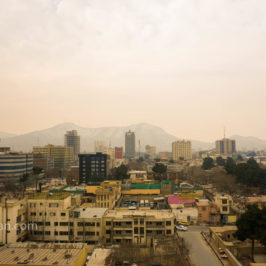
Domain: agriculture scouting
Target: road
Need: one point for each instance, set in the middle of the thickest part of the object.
(200, 253)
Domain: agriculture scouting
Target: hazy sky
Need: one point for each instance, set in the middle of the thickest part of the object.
(189, 66)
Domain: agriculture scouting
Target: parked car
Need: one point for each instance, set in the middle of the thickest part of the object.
(181, 227)
(186, 223)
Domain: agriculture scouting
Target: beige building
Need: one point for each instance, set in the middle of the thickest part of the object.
(88, 225)
(182, 149)
(99, 146)
(51, 212)
(63, 156)
(151, 151)
(225, 146)
(33, 254)
(13, 220)
(137, 227)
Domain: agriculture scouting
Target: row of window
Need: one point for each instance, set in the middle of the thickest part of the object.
(138, 231)
(51, 214)
(66, 224)
(141, 222)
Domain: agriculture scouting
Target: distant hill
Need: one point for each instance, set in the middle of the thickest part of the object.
(5, 135)
(146, 133)
(249, 143)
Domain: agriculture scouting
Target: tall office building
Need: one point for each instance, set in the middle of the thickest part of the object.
(92, 166)
(130, 145)
(72, 139)
(63, 156)
(225, 146)
(181, 149)
(15, 165)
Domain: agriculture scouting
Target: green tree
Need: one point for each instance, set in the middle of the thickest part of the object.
(120, 172)
(239, 157)
(230, 165)
(159, 169)
(252, 225)
(220, 161)
(208, 163)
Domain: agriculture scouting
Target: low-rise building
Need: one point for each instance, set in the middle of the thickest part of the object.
(224, 202)
(137, 227)
(32, 254)
(208, 212)
(13, 220)
(260, 201)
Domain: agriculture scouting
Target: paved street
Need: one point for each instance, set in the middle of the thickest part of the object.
(200, 253)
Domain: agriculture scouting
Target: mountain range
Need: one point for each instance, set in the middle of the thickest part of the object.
(115, 136)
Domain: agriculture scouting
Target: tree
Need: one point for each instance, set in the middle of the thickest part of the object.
(120, 172)
(239, 158)
(230, 165)
(159, 169)
(220, 161)
(36, 170)
(208, 163)
(252, 225)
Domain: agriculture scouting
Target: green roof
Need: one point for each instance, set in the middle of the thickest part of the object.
(167, 182)
(145, 186)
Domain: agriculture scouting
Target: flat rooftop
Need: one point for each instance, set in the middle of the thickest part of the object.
(126, 213)
(221, 229)
(40, 254)
(90, 212)
(99, 256)
(49, 196)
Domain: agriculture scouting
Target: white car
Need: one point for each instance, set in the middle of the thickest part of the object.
(181, 227)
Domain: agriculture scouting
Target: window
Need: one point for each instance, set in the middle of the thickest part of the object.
(90, 233)
(32, 205)
(141, 221)
(141, 230)
(224, 209)
(71, 223)
(19, 219)
(40, 213)
(136, 230)
(63, 233)
(80, 233)
(55, 223)
(118, 232)
(168, 232)
(53, 205)
(47, 233)
(47, 223)
(63, 214)
(224, 201)
(168, 223)
(108, 223)
(98, 224)
(55, 233)
(136, 221)
(33, 213)
(108, 232)
(89, 224)
(108, 240)
(52, 213)
(63, 223)
(159, 232)
(118, 223)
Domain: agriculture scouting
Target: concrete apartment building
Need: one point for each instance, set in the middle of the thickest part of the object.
(208, 212)
(72, 139)
(63, 156)
(88, 225)
(130, 151)
(224, 202)
(51, 212)
(137, 227)
(13, 219)
(225, 146)
(15, 165)
(181, 149)
(92, 166)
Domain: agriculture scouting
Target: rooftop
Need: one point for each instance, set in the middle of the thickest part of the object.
(90, 212)
(49, 196)
(174, 199)
(40, 254)
(221, 229)
(155, 213)
(99, 256)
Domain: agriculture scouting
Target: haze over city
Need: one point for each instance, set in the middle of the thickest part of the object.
(190, 67)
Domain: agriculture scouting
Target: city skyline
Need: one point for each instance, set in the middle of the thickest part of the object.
(189, 67)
